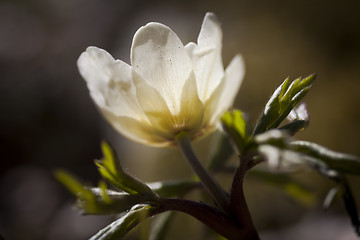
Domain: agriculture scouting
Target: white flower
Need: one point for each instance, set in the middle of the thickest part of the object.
(168, 88)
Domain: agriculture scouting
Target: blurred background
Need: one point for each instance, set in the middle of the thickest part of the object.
(48, 120)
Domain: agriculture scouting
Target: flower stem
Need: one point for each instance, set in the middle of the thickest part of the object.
(238, 203)
(213, 188)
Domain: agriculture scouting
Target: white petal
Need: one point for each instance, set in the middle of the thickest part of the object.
(110, 83)
(153, 104)
(190, 48)
(212, 106)
(234, 75)
(138, 131)
(206, 57)
(158, 55)
(210, 33)
(192, 109)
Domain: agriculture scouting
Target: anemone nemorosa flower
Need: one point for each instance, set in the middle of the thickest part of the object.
(168, 88)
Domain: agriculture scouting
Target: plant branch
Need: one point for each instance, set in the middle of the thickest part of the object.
(219, 195)
(238, 203)
(219, 221)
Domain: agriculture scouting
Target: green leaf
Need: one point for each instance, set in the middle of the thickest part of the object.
(299, 118)
(85, 197)
(115, 202)
(117, 229)
(274, 146)
(294, 127)
(220, 152)
(174, 188)
(283, 100)
(234, 125)
(341, 162)
(111, 170)
(273, 137)
(104, 192)
(100, 200)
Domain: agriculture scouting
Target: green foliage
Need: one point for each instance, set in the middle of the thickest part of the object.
(270, 143)
(86, 199)
(343, 163)
(100, 200)
(234, 125)
(276, 147)
(299, 120)
(283, 100)
(111, 170)
(123, 225)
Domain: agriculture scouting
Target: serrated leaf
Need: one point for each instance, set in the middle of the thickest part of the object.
(299, 113)
(283, 100)
(100, 200)
(273, 137)
(341, 162)
(279, 159)
(272, 108)
(299, 120)
(85, 197)
(111, 170)
(294, 127)
(117, 229)
(115, 202)
(104, 192)
(234, 125)
(174, 188)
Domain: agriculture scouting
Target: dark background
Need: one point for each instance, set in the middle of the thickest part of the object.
(48, 120)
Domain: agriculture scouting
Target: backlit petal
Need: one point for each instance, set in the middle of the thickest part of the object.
(153, 104)
(206, 56)
(192, 109)
(110, 82)
(224, 94)
(212, 110)
(158, 55)
(138, 131)
(168, 88)
(234, 75)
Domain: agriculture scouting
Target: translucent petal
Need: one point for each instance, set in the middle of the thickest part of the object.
(192, 109)
(110, 83)
(138, 131)
(158, 55)
(153, 104)
(212, 113)
(223, 96)
(190, 48)
(234, 75)
(206, 56)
